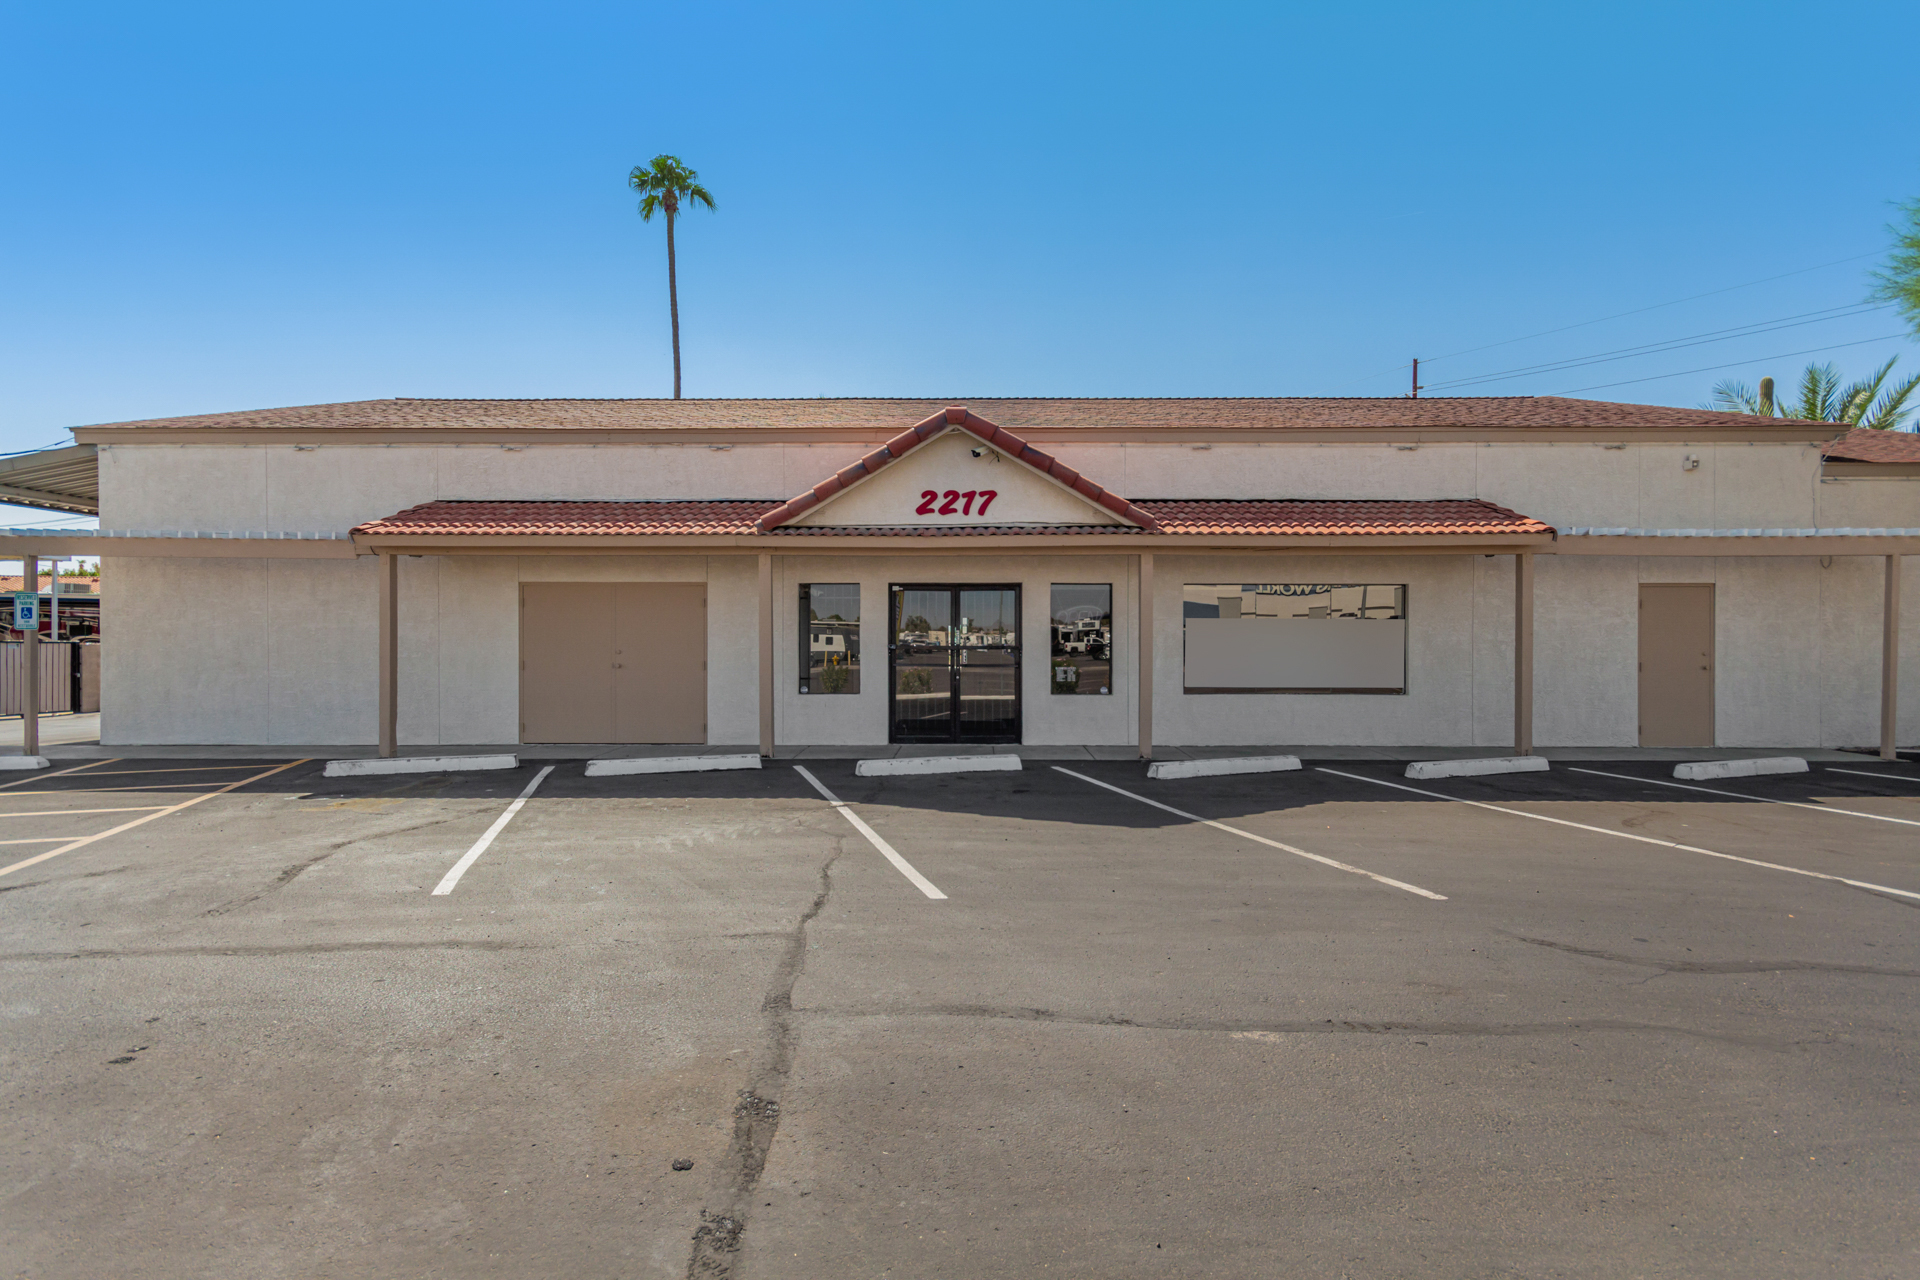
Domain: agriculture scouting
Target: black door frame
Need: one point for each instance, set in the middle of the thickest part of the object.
(894, 590)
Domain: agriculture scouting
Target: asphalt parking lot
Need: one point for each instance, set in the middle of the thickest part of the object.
(1325, 1023)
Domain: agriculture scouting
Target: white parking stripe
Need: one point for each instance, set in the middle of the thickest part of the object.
(1715, 791)
(920, 882)
(83, 841)
(68, 813)
(1623, 835)
(472, 855)
(1272, 844)
(1862, 773)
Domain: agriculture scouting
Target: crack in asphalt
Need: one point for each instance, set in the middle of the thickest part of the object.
(1325, 1026)
(756, 1117)
(289, 874)
(1721, 966)
(297, 949)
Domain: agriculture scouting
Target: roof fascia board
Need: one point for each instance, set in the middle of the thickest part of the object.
(1852, 469)
(1039, 435)
(1627, 545)
(82, 544)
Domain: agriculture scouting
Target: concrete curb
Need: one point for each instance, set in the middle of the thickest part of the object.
(899, 765)
(1474, 768)
(1701, 770)
(417, 764)
(669, 764)
(23, 762)
(1164, 769)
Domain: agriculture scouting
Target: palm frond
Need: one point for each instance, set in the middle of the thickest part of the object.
(1733, 396)
(1819, 388)
(665, 182)
(1892, 410)
(1853, 401)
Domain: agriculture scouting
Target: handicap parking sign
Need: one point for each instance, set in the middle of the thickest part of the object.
(26, 610)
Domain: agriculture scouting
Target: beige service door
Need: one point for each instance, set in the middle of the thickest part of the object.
(1676, 664)
(660, 662)
(613, 662)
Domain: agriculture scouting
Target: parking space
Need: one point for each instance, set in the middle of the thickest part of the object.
(1320, 1022)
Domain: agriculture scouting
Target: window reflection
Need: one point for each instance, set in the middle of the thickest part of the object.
(830, 617)
(1082, 625)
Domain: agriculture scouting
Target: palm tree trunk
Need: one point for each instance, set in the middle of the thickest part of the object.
(673, 304)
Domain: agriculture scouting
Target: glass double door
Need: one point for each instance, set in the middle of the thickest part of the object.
(955, 658)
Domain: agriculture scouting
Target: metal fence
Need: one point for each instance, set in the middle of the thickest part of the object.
(59, 673)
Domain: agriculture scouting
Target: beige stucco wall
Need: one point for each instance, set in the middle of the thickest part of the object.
(283, 651)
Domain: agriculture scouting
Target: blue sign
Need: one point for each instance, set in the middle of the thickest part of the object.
(26, 611)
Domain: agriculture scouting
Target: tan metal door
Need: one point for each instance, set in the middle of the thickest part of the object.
(613, 662)
(1676, 664)
(566, 662)
(660, 662)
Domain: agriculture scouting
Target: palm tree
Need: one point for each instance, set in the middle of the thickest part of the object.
(663, 184)
(1823, 399)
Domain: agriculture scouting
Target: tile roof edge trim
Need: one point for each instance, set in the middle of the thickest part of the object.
(933, 427)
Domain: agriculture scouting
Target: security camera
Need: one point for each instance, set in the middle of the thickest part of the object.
(979, 451)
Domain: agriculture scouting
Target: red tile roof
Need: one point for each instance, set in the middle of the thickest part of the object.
(1349, 517)
(1282, 517)
(1008, 444)
(604, 519)
(1864, 444)
(1211, 414)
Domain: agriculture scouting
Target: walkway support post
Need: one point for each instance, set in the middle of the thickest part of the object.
(1523, 653)
(1890, 663)
(766, 655)
(30, 659)
(389, 570)
(1144, 648)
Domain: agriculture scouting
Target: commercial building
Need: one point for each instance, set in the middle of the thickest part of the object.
(1470, 572)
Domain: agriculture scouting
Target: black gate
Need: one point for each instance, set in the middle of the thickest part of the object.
(954, 664)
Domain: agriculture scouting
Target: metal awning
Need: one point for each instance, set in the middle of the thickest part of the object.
(64, 479)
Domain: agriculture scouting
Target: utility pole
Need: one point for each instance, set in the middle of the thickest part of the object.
(1416, 379)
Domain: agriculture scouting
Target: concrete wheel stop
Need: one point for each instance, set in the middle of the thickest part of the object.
(1702, 770)
(23, 762)
(669, 764)
(906, 766)
(417, 764)
(1476, 768)
(1167, 769)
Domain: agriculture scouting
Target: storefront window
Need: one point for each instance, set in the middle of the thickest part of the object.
(1082, 638)
(830, 637)
(1295, 637)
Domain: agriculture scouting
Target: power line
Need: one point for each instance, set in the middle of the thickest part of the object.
(1618, 315)
(1672, 344)
(1658, 305)
(1715, 368)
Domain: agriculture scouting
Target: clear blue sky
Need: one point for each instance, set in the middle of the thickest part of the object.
(214, 207)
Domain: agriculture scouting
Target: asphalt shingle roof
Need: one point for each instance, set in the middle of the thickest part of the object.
(1165, 414)
(1864, 444)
